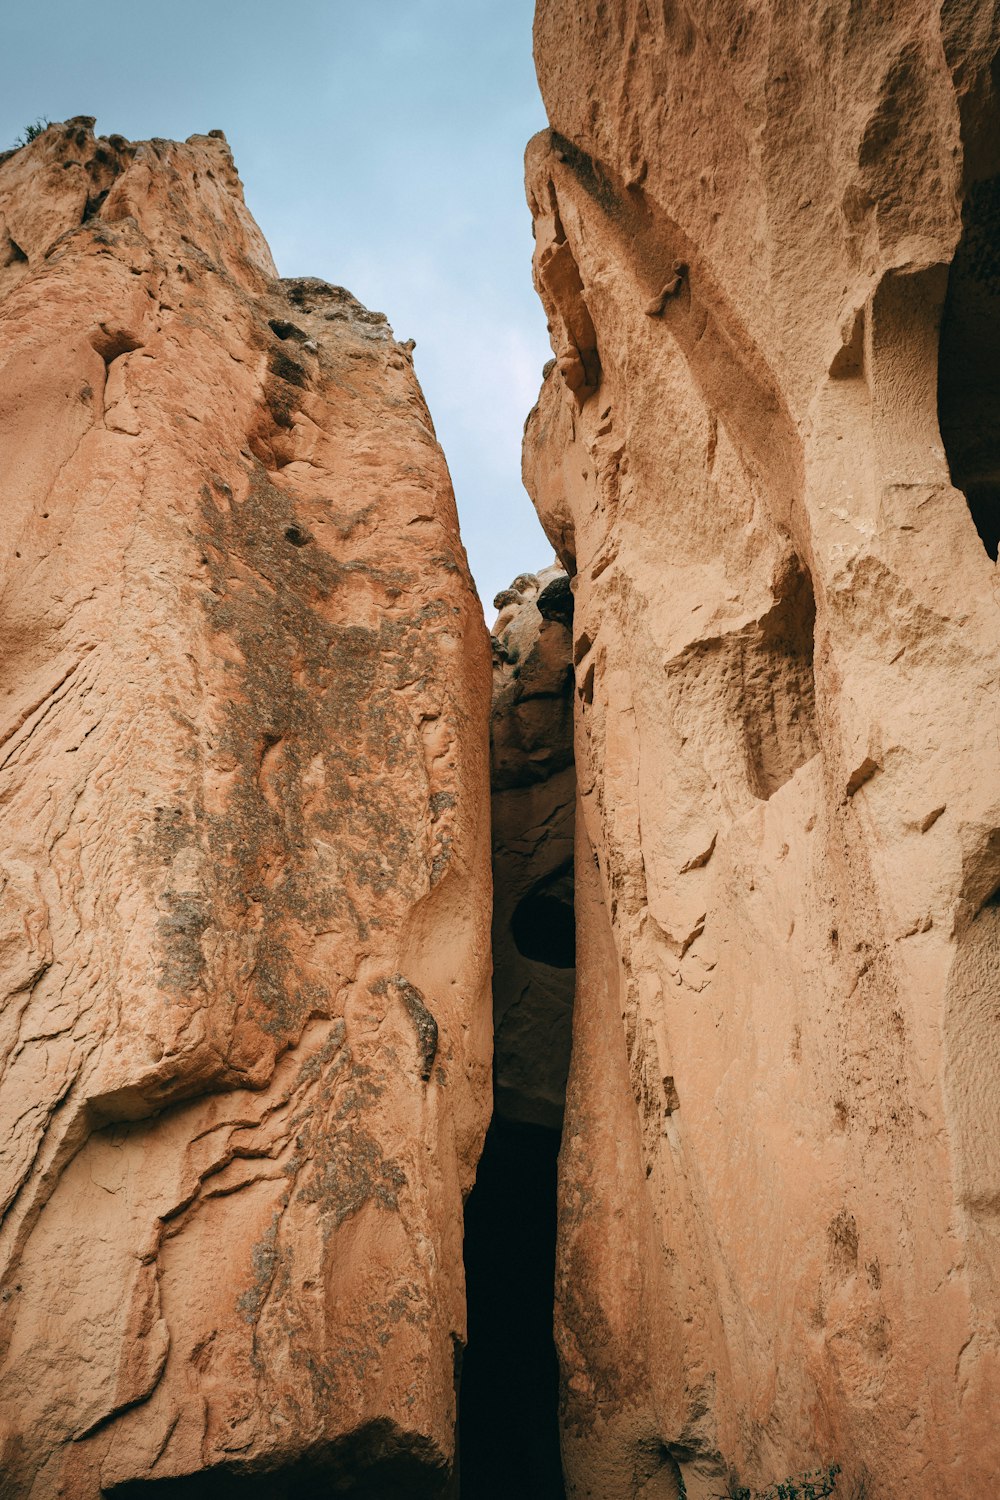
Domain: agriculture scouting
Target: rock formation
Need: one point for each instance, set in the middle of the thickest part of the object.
(767, 453)
(244, 943)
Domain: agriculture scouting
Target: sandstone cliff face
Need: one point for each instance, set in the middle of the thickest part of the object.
(244, 948)
(534, 809)
(765, 240)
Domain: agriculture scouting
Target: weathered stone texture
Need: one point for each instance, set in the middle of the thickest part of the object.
(779, 1179)
(244, 944)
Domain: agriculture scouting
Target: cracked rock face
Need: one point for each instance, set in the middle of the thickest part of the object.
(534, 794)
(244, 880)
(767, 453)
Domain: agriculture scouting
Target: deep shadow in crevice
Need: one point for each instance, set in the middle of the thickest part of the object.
(543, 924)
(508, 1402)
(969, 362)
(378, 1462)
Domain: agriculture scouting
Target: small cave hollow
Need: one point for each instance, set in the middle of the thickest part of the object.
(969, 362)
(13, 255)
(544, 924)
(284, 330)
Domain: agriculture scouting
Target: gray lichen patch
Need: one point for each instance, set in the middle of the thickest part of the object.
(424, 1024)
(324, 805)
(182, 961)
(334, 304)
(314, 1066)
(270, 1265)
(345, 1165)
(347, 1170)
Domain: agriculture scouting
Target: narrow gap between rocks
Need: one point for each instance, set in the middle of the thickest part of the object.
(508, 1424)
(969, 362)
(508, 1405)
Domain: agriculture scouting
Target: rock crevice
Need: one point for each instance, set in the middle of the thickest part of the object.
(508, 1427)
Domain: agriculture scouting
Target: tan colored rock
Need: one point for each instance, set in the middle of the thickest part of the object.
(780, 1179)
(244, 942)
(534, 806)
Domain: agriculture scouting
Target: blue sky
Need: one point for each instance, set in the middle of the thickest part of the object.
(380, 144)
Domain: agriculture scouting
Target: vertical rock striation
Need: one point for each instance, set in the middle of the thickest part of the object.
(244, 933)
(767, 452)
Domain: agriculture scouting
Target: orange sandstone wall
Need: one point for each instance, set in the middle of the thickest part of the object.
(244, 792)
(763, 232)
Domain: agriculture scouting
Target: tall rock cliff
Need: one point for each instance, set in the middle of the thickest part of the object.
(768, 454)
(244, 943)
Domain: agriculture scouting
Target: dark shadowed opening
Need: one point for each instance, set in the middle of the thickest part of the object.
(508, 1422)
(543, 925)
(377, 1463)
(969, 362)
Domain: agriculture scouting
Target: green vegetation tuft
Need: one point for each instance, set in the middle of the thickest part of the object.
(31, 131)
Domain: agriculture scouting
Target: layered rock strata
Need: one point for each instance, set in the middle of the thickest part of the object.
(245, 874)
(767, 453)
(534, 802)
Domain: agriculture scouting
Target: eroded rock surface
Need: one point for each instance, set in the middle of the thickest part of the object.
(765, 240)
(534, 801)
(244, 944)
